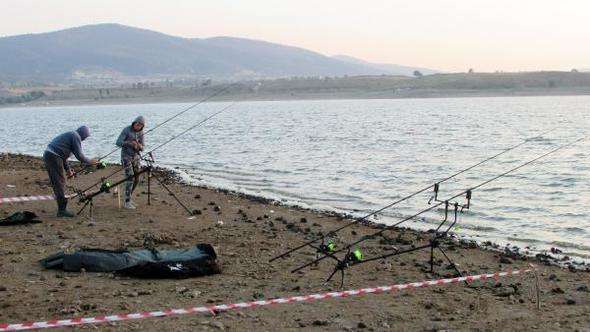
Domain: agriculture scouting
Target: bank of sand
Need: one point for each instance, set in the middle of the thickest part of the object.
(244, 245)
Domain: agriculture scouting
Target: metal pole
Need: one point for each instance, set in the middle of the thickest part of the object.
(149, 179)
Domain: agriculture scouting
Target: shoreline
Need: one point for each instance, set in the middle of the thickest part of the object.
(553, 255)
(252, 230)
(146, 100)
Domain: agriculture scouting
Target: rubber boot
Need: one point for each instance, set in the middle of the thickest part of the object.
(62, 212)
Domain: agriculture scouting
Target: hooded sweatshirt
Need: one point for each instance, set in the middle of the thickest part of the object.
(70, 143)
(126, 138)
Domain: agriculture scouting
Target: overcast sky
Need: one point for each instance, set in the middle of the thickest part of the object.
(509, 35)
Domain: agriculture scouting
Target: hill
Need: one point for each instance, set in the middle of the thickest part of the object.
(116, 52)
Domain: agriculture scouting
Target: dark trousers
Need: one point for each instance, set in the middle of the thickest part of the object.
(57, 176)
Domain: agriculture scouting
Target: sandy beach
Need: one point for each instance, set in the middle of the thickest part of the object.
(246, 232)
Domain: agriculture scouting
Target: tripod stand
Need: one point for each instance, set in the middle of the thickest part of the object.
(356, 257)
(88, 199)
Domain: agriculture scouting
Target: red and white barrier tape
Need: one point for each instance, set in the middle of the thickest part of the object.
(26, 199)
(22, 199)
(244, 305)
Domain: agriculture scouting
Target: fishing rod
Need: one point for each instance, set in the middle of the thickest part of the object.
(435, 185)
(87, 199)
(122, 168)
(356, 257)
(216, 93)
(105, 187)
(192, 127)
(438, 203)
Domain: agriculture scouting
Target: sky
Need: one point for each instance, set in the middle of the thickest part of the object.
(505, 35)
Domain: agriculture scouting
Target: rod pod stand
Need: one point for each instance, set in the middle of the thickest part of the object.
(434, 198)
(148, 168)
(350, 259)
(433, 244)
(88, 199)
(149, 184)
(150, 160)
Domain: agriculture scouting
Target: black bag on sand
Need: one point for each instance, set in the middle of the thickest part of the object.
(194, 262)
(20, 218)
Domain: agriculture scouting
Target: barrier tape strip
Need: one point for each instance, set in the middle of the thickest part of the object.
(243, 305)
(22, 199)
(26, 199)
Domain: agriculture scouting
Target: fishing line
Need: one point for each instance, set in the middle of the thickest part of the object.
(192, 127)
(209, 97)
(220, 91)
(356, 221)
(348, 246)
(161, 145)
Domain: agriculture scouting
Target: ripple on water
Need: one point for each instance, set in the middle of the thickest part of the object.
(575, 230)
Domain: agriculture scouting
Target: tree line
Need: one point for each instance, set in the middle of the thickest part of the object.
(23, 98)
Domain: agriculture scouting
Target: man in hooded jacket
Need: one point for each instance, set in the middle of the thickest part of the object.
(131, 143)
(56, 162)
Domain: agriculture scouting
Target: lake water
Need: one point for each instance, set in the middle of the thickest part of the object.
(356, 156)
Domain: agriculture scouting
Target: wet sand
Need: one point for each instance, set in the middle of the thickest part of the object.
(246, 233)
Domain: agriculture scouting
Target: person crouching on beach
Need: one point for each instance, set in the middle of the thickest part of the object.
(56, 162)
(131, 143)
